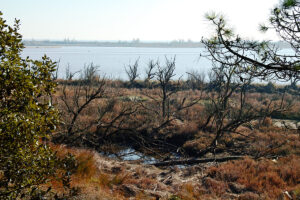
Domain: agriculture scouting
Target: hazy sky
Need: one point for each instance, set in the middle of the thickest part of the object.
(128, 19)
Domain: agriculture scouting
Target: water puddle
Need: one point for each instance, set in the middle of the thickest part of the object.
(130, 154)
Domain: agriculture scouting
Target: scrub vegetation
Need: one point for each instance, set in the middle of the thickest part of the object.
(219, 135)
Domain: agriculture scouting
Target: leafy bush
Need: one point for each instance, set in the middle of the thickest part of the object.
(26, 116)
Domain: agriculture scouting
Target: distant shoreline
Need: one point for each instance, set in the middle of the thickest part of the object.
(60, 46)
(173, 44)
(43, 45)
(33, 47)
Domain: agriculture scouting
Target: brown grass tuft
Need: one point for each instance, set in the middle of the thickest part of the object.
(264, 177)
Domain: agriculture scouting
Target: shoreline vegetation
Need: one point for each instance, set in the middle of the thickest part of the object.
(126, 150)
(134, 43)
(215, 135)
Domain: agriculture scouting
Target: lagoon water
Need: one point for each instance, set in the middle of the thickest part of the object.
(112, 60)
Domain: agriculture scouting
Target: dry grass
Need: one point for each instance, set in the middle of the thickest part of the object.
(188, 191)
(267, 177)
(91, 182)
(260, 178)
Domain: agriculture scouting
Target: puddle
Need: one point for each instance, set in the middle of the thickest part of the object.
(130, 154)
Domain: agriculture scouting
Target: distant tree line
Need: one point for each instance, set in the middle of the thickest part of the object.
(133, 43)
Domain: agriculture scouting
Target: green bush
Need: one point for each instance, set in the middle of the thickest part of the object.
(26, 116)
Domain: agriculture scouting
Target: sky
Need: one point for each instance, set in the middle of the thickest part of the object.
(148, 20)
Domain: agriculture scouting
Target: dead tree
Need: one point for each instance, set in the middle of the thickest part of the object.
(196, 161)
(195, 79)
(222, 106)
(228, 108)
(70, 75)
(150, 74)
(92, 112)
(132, 72)
(116, 121)
(165, 105)
(77, 98)
(164, 76)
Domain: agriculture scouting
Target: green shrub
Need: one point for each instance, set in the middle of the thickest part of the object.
(26, 116)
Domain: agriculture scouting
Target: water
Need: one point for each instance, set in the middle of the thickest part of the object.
(130, 154)
(112, 60)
